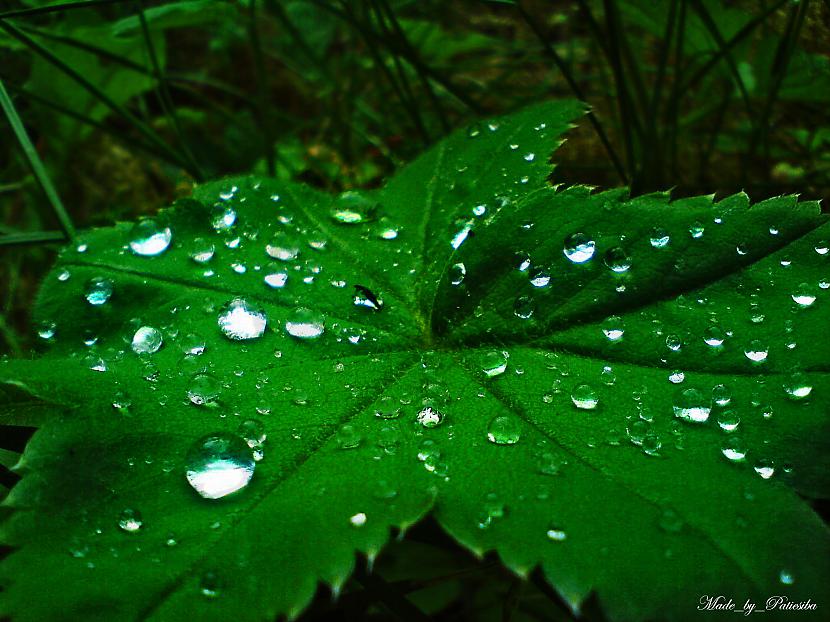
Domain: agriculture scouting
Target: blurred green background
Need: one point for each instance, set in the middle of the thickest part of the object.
(127, 104)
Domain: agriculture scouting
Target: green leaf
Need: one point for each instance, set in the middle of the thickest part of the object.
(458, 295)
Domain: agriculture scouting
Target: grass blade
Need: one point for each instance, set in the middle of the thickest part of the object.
(57, 8)
(35, 163)
(34, 237)
(569, 78)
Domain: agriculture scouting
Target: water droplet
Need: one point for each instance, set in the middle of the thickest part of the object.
(203, 389)
(585, 397)
(253, 433)
(659, 238)
(209, 585)
(690, 405)
(494, 363)
(677, 376)
(365, 297)
(804, 295)
(540, 277)
(670, 521)
(713, 336)
(147, 340)
(148, 238)
(457, 273)
(276, 280)
(734, 448)
(674, 342)
(240, 320)
(696, 230)
(523, 307)
(46, 330)
(765, 468)
(98, 291)
(222, 216)
(388, 408)
(613, 328)
(786, 577)
(304, 323)
(728, 420)
(555, 533)
(504, 430)
(798, 386)
(202, 250)
(617, 260)
(353, 207)
(282, 247)
(429, 417)
(358, 520)
(219, 464)
(386, 229)
(721, 394)
(348, 437)
(823, 247)
(757, 351)
(130, 520)
(579, 248)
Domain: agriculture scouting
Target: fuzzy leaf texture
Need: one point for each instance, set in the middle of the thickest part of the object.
(628, 393)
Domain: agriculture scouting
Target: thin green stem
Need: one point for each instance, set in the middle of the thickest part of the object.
(142, 127)
(34, 237)
(163, 93)
(36, 164)
(57, 8)
(577, 91)
(262, 89)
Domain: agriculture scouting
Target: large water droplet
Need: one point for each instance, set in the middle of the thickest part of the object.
(504, 430)
(690, 405)
(304, 323)
(148, 238)
(757, 351)
(804, 296)
(240, 320)
(147, 340)
(219, 464)
(98, 291)
(613, 328)
(585, 397)
(579, 248)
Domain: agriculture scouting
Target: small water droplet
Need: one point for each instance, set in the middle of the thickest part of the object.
(203, 389)
(659, 238)
(617, 260)
(579, 248)
(304, 323)
(98, 291)
(734, 448)
(798, 386)
(282, 247)
(222, 216)
(504, 430)
(555, 533)
(147, 340)
(219, 464)
(613, 328)
(757, 351)
(148, 238)
(494, 363)
(429, 417)
(130, 520)
(202, 251)
(353, 207)
(240, 320)
(457, 273)
(765, 468)
(690, 405)
(585, 397)
(728, 420)
(358, 520)
(786, 577)
(523, 307)
(804, 295)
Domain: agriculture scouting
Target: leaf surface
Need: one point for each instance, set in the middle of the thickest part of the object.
(562, 340)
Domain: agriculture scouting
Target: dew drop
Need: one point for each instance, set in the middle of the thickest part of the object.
(734, 448)
(222, 216)
(98, 291)
(494, 363)
(282, 247)
(146, 340)
(786, 577)
(457, 273)
(358, 520)
(353, 207)
(690, 405)
(617, 260)
(659, 238)
(555, 533)
(523, 307)
(765, 468)
(585, 397)
(148, 238)
(429, 417)
(130, 520)
(203, 389)
(798, 386)
(579, 248)
(757, 351)
(804, 296)
(304, 323)
(219, 464)
(202, 250)
(613, 328)
(504, 430)
(540, 277)
(239, 320)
